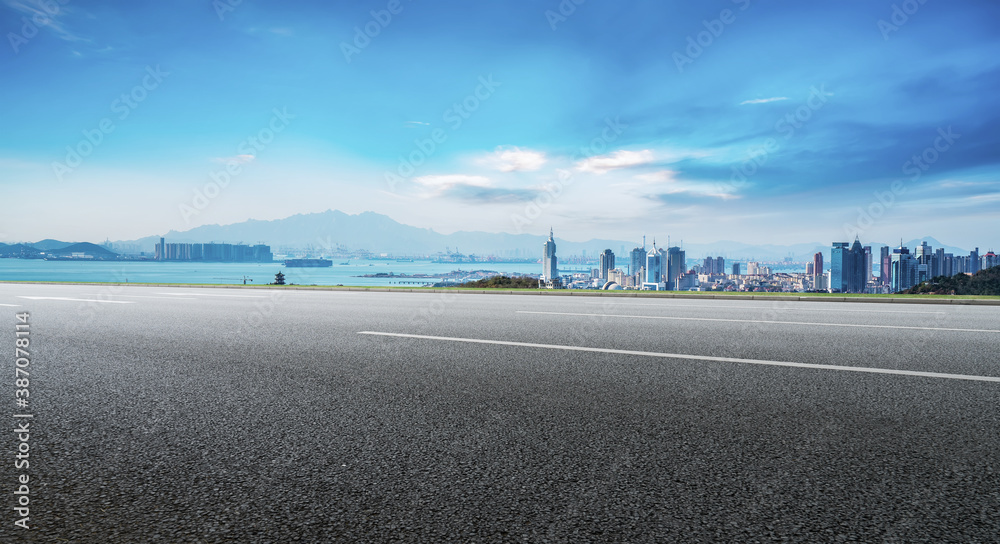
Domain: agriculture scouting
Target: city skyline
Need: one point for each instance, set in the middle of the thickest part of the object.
(604, 120)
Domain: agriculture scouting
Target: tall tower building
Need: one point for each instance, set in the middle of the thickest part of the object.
(885, 266)
(654, 269)
(676, 266)
(607, 262)
(839, 267)
(817, 266)
(550, 263)
(903, 269)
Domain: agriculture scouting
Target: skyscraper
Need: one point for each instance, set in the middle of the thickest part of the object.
(736, 269)
(607, 262)
(839, 267)
(817, 268)
(550, 263)
(637, 259)
(868, 265)
(903, 270)
(885, 266)
(654, 269)
(676, 265)
(847, 268)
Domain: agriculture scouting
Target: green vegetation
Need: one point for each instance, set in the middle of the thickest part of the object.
(503, 282)
(985, 282)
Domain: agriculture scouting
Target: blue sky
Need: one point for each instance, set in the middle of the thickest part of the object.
(775, 122)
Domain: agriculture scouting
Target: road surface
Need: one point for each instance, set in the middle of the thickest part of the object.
(214, 415)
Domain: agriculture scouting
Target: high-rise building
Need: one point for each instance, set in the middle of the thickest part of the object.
(817, 269)
(637, 259)
(903, 271)
(973, 261)
(550, 263)
(847, 268)
(810, 271)
(885, 266)
(720, 266)
(654, 270)
(607, 262)
(736, 269)
(868, 264)
(676, 266)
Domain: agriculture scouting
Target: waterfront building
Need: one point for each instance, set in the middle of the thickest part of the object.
(550, 263)
(607, 262)
(676, 265)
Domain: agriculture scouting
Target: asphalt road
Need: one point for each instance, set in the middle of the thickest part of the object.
(225, 415)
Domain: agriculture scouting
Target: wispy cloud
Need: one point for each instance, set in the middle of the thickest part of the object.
(416, 124)
(450, 180)
(764, 100)
(46, 15)
(514, 159)
(666, 183)
(612, 161)
(235, 159)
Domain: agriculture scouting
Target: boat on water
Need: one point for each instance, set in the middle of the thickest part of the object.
(308, 263)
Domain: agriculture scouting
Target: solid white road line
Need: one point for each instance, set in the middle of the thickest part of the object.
(209, 295)
(139, 296)
(753, 307)
(761, 321)
(10, 305)
(695, 357)
(81, 300)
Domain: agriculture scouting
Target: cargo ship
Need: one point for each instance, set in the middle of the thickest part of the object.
(308, 263)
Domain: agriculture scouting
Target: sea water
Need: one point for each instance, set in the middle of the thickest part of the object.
(234, 273)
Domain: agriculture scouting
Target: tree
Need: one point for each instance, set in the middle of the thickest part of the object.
(279, 279)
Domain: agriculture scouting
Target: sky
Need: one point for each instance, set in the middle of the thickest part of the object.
(761, 122)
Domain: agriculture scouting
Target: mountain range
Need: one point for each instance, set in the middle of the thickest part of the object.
(326, 231)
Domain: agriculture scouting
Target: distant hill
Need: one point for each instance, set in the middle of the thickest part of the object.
(50, 244)
(983, 283)
(17, 250)
(88, 248)
(379, 233)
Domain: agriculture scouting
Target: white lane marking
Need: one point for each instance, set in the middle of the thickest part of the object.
(81, 300)
(695, 357)
(10, 305)
(762, 321)
(138, 296)
(208, 295)
(752, 307)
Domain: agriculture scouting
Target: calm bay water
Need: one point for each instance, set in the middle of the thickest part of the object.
(232, 273)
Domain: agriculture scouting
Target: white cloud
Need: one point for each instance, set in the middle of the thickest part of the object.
(764, 100)
(416, 123)
(236, 159)
(612, 161)
(666, 182)
(451, 180)
(515, 159)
